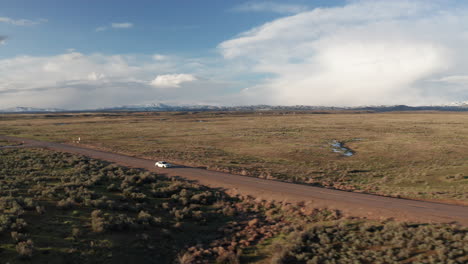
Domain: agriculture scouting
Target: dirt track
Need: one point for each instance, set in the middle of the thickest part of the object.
(352, 204)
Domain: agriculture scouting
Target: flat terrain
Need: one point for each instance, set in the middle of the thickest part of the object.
(420, 155)
(58, 207)
(354, 204)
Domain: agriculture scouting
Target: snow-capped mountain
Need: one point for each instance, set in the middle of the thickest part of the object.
(459, 104)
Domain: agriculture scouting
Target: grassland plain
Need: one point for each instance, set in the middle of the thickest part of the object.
(419, 155)
(4, 143)
(62, 208)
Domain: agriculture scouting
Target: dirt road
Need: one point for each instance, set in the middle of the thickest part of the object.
(351, 204)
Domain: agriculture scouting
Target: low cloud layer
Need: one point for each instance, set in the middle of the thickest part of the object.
(366, 52)
(78, 81)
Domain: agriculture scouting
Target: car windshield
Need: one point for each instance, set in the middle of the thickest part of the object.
(163, 162)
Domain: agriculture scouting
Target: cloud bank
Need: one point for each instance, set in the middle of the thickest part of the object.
(79, 81)
(366, 52)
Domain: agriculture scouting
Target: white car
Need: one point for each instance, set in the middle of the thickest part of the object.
(162, 164)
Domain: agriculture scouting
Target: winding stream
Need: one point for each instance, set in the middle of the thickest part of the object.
(339, 147)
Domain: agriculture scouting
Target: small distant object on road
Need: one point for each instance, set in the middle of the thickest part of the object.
(162, 164)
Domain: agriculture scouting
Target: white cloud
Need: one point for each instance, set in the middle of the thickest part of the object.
(361, 53)
(281, 8)
(75, 80)
(122, 25)
(172, 80)
(159, 57)
(99, 29)
(93, 76)
(366, 52)
(21, 22)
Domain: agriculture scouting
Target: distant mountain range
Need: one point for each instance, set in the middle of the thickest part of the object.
(20, 109)
(458, 106)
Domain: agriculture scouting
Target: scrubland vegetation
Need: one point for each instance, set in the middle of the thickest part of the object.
(367, 242)
(414, 155)
(4, 143)
(63, 208)
(56, 207)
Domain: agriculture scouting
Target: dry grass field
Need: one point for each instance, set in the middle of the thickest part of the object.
(419, 155)
(4, 143)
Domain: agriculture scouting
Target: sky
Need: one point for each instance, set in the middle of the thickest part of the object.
(91, 54)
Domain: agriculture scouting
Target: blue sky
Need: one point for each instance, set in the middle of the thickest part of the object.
(87, 54)
(192, 28)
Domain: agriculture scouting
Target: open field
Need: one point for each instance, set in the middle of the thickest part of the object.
(349, 203)
(414, 155)
(4, 143)
(57, 207)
